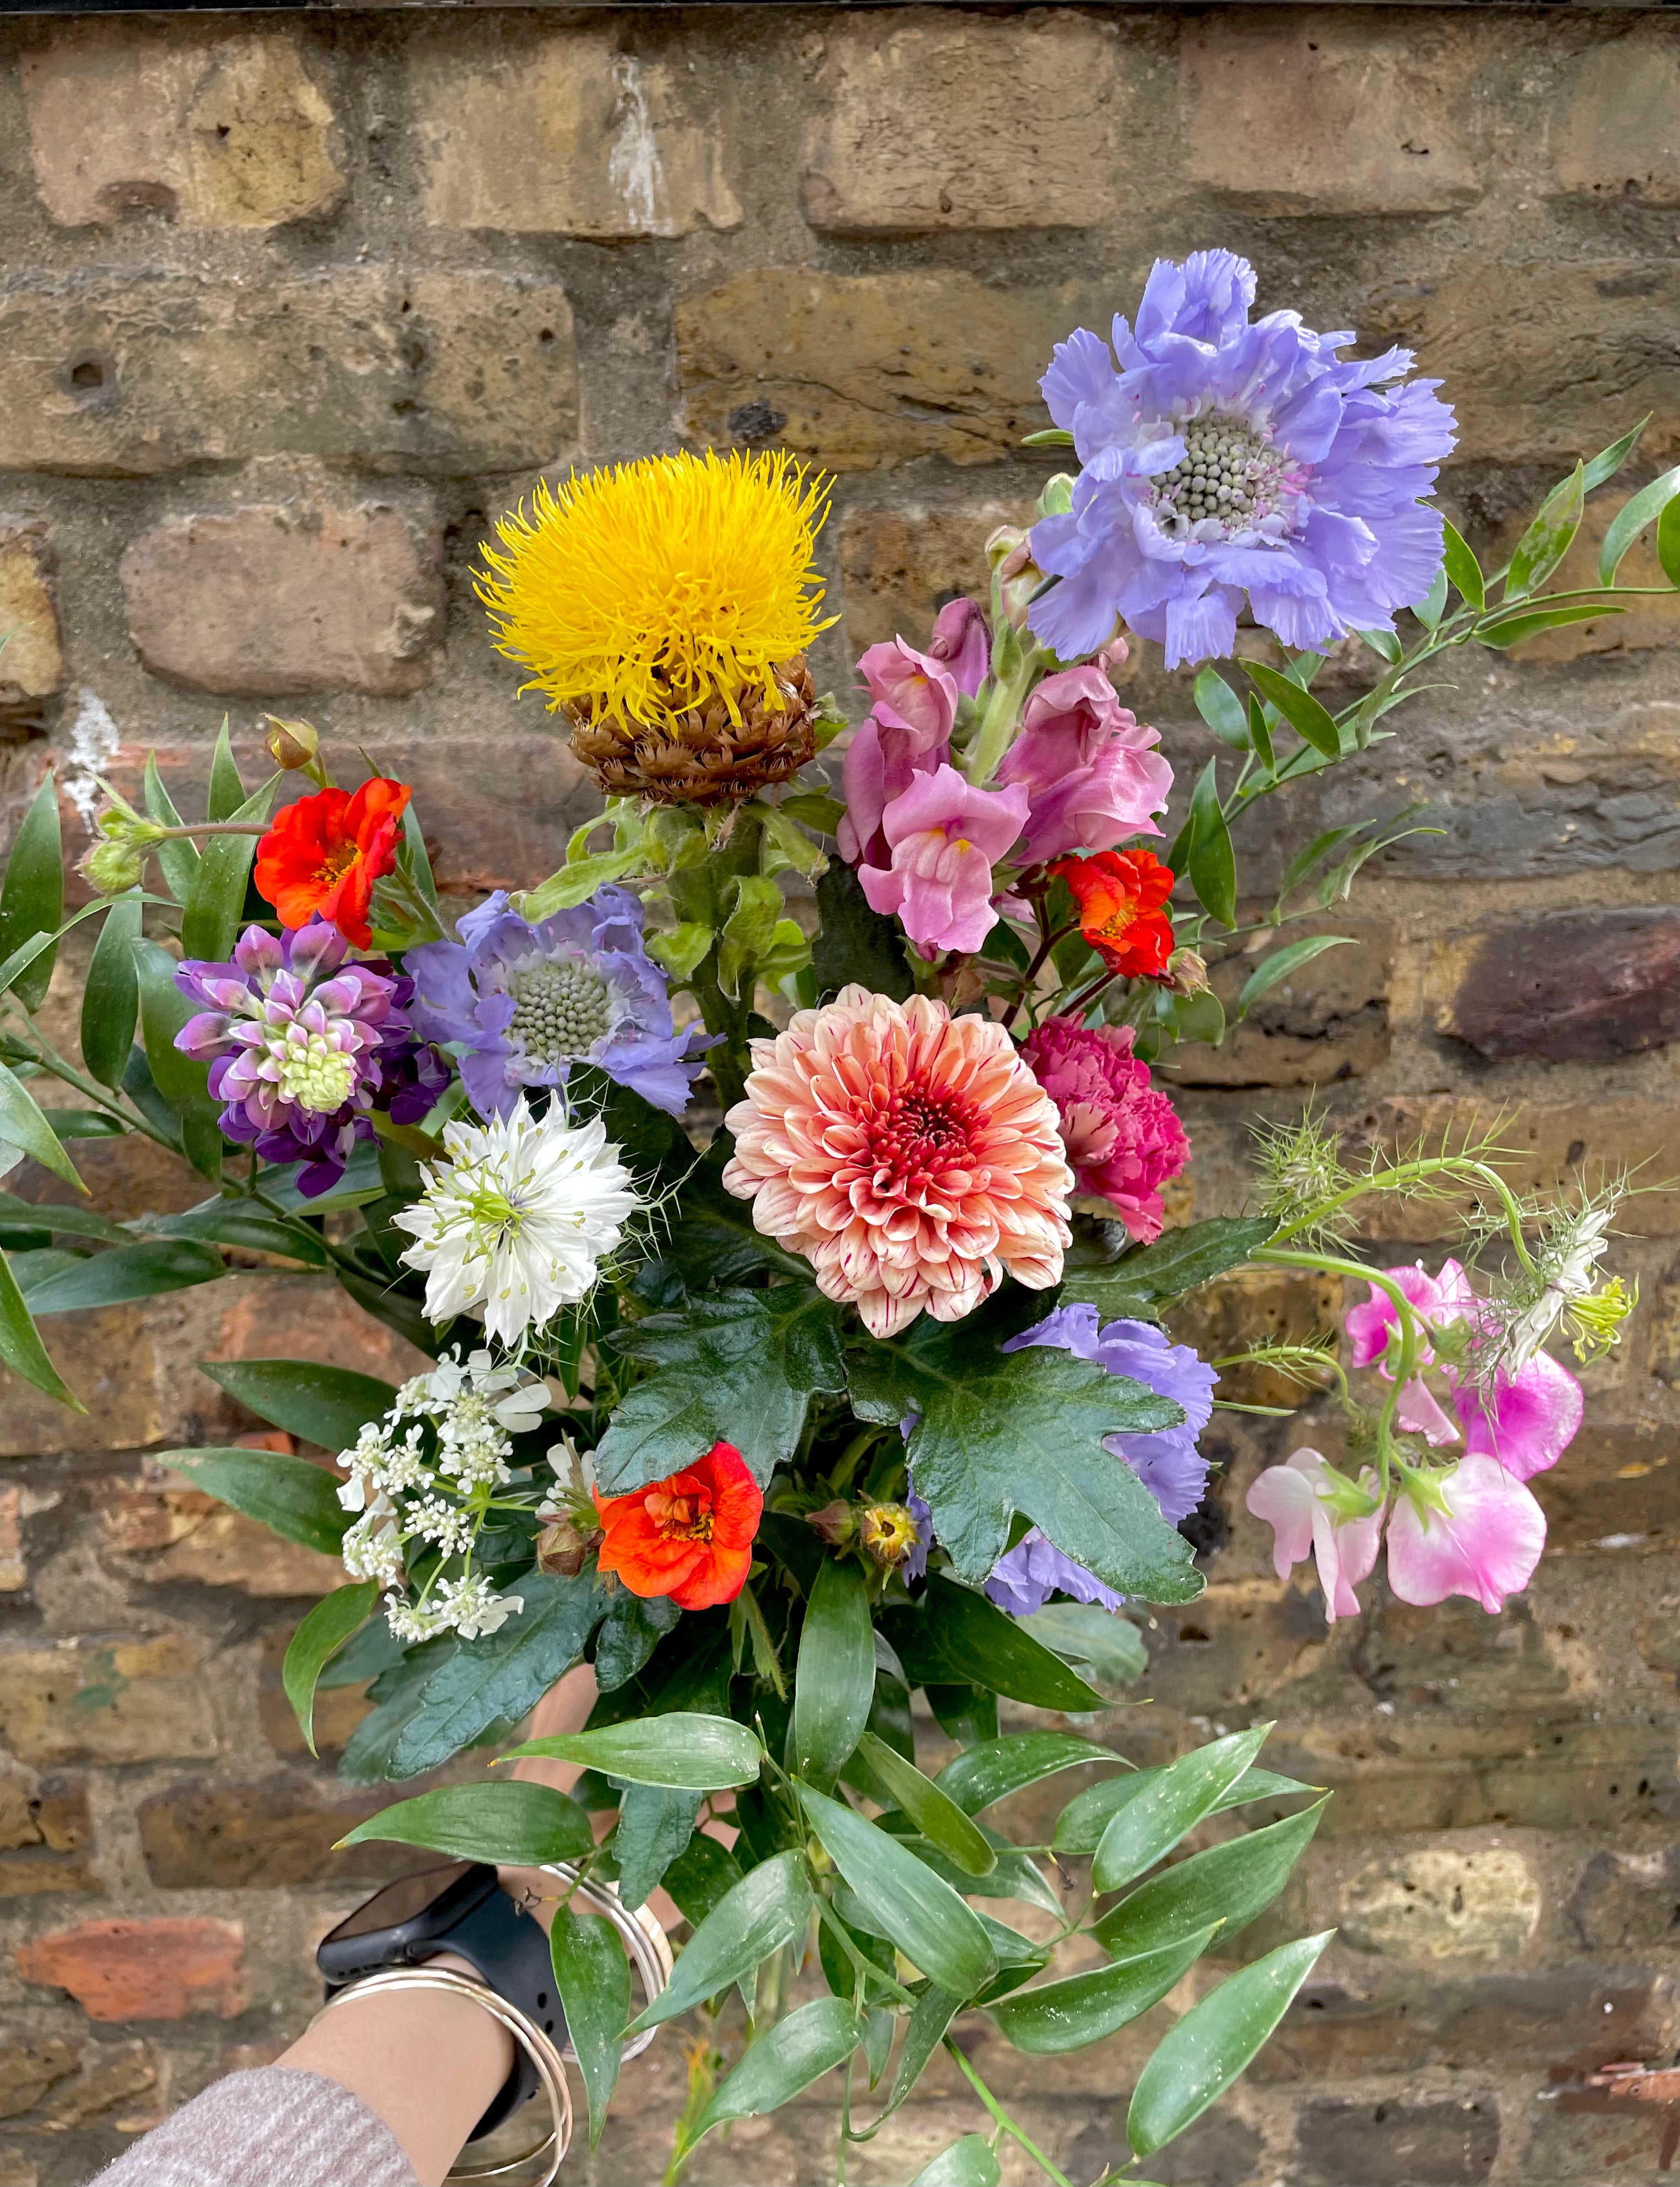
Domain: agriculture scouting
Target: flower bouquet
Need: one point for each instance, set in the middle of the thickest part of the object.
(776, 1192)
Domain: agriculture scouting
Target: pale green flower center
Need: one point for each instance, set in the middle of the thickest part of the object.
(1228, 474)
(314, 1075)
(561, 1008)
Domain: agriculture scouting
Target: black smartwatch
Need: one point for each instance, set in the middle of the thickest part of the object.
(459, 1907)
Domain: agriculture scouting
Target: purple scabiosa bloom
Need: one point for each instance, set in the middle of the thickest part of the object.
(527, 1003)
(1227, 460)
(297, 1042)
(1166, 1461)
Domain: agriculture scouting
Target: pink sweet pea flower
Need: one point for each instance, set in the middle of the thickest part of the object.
(1445, 1297)
(1293, 1499)
(944, 836)
(1486, 1544)
(1093, 772)
(1535, 1417)
(962, 643)
(908, 733)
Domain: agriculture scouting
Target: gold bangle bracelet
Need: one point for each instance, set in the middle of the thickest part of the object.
(524, 2032)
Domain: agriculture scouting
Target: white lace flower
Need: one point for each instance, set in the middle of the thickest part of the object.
(473, 1606)
(447, 1524)
(413, 1621)
(517, 1220)
(373, 1547)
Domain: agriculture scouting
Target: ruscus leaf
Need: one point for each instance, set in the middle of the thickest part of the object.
(771, 1906)
(834, 1683)
(289, 1496)
(687, 1752)
(32, 892)
(110, 1002)
(593, 1977)
(317, 1640)
(930, 1924)
(1185, 1791)
(517, 1824)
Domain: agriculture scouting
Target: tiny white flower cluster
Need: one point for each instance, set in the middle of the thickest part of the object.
(473, 1409)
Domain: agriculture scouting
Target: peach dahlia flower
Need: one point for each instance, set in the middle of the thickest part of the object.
(912, 1157)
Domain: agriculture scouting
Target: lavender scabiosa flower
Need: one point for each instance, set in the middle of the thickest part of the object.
(528, 1001)
(298, 1042)
(1227, 460)
(1166, 1461)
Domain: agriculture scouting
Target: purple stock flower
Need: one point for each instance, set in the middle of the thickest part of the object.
(1227, 460)
(527, 1003)
(1166, 1461)
(299, 1044)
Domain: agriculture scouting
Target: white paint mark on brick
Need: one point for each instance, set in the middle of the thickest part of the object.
(93, 739)
(635, 168)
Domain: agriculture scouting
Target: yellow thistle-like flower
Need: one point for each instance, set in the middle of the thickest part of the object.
(635, 596)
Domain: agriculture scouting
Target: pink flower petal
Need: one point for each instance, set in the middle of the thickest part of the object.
(1486, 1546)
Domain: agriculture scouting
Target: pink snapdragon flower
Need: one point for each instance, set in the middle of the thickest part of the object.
(1094, 773)
(1297, 1500)
(944, 836)
(1486, 1544)
(1123, 1137)
(908, 733)
(962, 644)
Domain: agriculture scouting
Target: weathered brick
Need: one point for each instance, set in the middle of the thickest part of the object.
(1546, 359)
(16, 2169)
(562, 132)
(1640, 624)
(860, 370)
(110, 1359)
(1327, 1021)
(108, 2074)
(116, 1701)
(32, 664)
(268, 1836)
(1423, 2141)
(899, 566)
(338, 1709)
(285, 597)
(1613, 1491)
(216, 133)
(1664, 1357)
(1233, 1646)
(1571, 987)
(1628, 1900)
(47, 1833)
(1618, 137)
(447, 373)
(303, 1318)
(175, 1532)
(1284, 119)
(162, 1969)
(1454, 1654)
(28, 2069)
(1431, 1902)
(1284, 1306)
(926, 126)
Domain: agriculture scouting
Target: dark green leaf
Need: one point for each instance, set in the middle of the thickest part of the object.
(1464, 571)
(369, 1756)
(654, 1823)
(741, 1368)
(501, 1676)
(515, 1824)
(226, 793)
(179, 856)
(1180, 1262)
(632, 1629)
(1199, 2059)
(687, 1752)
(1087, 1815)
(1023, 1432)
(419, 863)
(1430, 609)
(240, 1222)
(24, 1123)
(712, 1240)
(854, 942)
(1504, 634)
(326, 1405)
(1281, 963)
(110, 1003)
(180, 1080)
(984, 1775)
(1152, 1822)
(769, 1907)
(592, 1976)
(932, 2014)
(1229, 1883)
(288, 1495)
(701, 1877)
(1300, 709)
(985, 1646)
(322, 1633)
(968, 1714)
(835, 1682)
(1668, 541)
(1630, 520)
(398, 1308)
(85, 1124)
(1547, 538)
(1213, 863)
(1220, 708)
(941, 1821)
(21, 1348)
(209, 925)
(1102, 1646)
(32, 893)
(1609, 461)
(126, 1273)
(815, 809)
(925, 1917)
(785, 2058)
(1084, 2008)
(969, 2162)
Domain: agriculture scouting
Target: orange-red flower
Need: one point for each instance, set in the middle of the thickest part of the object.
(324, 853)
(1120, 894)
(689, 1536)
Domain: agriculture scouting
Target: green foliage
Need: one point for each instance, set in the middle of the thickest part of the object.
(25, 1124)
(770, 1906)
(854, 943)
(655, 1822)
(593, 1977)
(926, 1919)
(936, 1814)
(110, 1002)
(325, 1405)
(783, 2060)
(1084, 2008)
(129, 1272)
(982, 1776)
(322, 1633)
(686, 1752)
(969, 2162)
(522, 1826)
(1163, 1810)
(21, 1348)
(1228, 1884)
(834, 1687)
(1136, 1286)
(288, 1495)
(32, 893)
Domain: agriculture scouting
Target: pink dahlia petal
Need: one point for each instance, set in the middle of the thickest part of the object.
(1485, 1545)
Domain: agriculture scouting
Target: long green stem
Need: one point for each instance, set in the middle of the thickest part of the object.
(1004, 2120)
(1410, 1334)
(1404, 1173)
(50, 1060)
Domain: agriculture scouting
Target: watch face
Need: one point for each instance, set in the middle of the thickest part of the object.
(401, 1902)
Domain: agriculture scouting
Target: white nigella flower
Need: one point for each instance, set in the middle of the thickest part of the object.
(517, 1220)
(1566, 1280)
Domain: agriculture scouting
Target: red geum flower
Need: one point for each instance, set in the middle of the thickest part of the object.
(324, 853)
(1120, 894)
(690, 1536)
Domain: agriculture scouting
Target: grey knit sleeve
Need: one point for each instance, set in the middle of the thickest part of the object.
(275, 2128)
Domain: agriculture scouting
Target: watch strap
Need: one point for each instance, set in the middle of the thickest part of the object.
(509, 1948)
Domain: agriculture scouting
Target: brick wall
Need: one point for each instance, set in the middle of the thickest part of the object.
(291, 307)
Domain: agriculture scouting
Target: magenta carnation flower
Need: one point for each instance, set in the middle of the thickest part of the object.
(1123, 1137)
